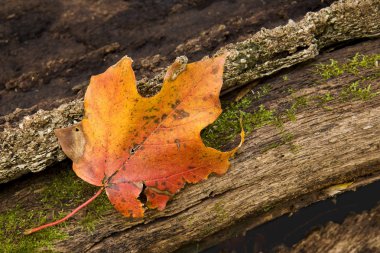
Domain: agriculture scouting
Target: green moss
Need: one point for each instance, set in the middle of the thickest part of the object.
(66, 190)
(227, 127)
(295, 148)
(261, 117)
(261, 92)
(352, 66)
(286, 138)
(290, 90)
(95, 211)
(14, 222)
(220, 211)
(357, 91)
(56, 197)
(218, 207)
(285, 78)
(360, 61)
(324, 100)
(297, 104)
(328, 71)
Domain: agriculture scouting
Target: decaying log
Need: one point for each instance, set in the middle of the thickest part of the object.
(273, 173)
(358, 233)
(335, 145)
(30, 146)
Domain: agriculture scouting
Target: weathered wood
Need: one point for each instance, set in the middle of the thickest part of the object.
(30, 146)
(358, 233)
(333, 146)
(329, 146)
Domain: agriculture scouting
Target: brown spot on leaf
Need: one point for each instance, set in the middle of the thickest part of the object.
(180, 114)
(148, 117)
(178, 143)
(214, 70)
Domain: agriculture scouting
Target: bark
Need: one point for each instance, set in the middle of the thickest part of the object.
(30, 145)
(273, 174)
(358, 233)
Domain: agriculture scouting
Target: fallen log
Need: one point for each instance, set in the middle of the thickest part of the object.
(29, 145)
(322, 139)
(317, 148)
(277, 171)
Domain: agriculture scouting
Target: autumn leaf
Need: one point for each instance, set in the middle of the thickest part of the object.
(126, 141)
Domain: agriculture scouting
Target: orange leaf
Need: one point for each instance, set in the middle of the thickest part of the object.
(126, 141)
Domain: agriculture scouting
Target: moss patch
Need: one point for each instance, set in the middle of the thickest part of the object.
(227, 126)
(53, 199)
(13, 222)
(365, 69)
(357, 90)
(297, 104)
(354, 66)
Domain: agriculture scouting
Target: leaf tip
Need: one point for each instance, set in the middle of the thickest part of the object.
(125, 58)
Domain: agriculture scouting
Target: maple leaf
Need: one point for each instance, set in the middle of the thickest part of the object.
(126, 141)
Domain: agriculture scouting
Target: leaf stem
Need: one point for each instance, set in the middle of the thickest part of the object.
(33, 230)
